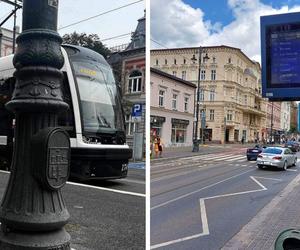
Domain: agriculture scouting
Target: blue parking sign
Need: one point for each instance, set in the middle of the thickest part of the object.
(137, 110)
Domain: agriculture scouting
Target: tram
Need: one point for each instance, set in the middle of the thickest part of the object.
(94, 121)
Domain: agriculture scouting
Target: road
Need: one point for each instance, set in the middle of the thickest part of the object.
(104, 214)
(201, 202)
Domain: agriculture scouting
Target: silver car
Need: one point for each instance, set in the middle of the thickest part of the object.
(276, 157)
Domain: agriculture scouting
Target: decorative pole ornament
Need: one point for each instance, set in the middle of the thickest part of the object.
(33, 211)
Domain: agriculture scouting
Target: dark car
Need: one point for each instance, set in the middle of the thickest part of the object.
(252, 153)
(292, 145)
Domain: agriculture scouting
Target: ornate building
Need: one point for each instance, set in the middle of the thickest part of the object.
(6, 41)
(129, 68)
(230, 90)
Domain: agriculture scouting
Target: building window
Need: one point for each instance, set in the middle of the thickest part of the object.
(174, 102)
(161, 97)
(131, 126)
(212, 94)
(213, 74)
(135, 82)
(229, 60)
(202, 75)
(186, 104)
(183, 75)
(184, 61)
(194, 61)
(212, 115)
(166, 61)
(201, 95)
(202, 113)
(245, 100)
(156, 61)
(214, 59)
(178, 133)
(229, 115)
(175, 61)
(174, 73)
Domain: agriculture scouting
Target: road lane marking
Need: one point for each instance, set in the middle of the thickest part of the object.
(106, 189)
(196, 191)
(236, 158)
(292, 170)
(99, 188)
(203, 215)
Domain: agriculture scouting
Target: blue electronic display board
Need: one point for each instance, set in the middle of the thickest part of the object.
(280, 46)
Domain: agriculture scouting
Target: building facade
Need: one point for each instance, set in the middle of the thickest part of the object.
(172, 109)
(6, 41)
(229, 93)
(129, 69)
(285, 119)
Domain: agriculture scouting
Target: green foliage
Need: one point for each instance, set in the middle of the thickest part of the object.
(91, 41)
(293, 129)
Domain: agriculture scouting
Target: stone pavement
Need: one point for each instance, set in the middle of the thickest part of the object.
(282, 213)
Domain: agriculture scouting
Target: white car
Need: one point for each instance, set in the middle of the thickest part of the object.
(278, 157)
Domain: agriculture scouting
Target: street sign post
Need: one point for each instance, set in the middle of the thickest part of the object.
(137, 111)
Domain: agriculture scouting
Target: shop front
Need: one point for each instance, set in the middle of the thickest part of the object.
(179, 131)
(156, 125)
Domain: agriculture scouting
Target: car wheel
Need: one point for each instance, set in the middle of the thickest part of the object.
(284, 166)
(248, 158)
(260, 166)
(295, 162)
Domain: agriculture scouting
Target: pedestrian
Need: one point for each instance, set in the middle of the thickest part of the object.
(159, 142)
(156, 147)
(243, 139)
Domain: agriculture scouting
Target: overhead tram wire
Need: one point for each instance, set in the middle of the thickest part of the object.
(101, 14)
(114, 37)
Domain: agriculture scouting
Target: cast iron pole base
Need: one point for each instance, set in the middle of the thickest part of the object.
(58, 240)
(196, 146)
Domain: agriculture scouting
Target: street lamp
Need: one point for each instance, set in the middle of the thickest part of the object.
(33, 212)
(196, 140)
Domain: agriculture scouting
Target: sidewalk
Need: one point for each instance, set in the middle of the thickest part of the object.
(283, 212)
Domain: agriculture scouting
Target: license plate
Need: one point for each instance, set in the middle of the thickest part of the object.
(254, 151)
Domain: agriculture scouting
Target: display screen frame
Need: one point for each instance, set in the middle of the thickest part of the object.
(283, 23)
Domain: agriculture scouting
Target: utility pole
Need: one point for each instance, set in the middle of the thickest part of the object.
(272, 123)
(33, 212)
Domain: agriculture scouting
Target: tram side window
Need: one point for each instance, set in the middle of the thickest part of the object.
(66, 118)
(6, 117)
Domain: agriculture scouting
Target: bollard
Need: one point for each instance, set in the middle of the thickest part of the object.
(288, 240)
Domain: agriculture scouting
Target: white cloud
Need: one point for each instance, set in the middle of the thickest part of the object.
(188, 27)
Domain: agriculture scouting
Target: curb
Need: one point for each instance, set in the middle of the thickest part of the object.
(244, 237)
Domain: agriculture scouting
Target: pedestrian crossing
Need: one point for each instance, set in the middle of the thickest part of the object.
(207, 159)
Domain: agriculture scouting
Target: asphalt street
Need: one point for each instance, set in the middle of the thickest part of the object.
(106, 214)
(201, 202)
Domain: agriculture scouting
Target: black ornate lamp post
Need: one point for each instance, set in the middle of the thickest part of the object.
(196, 139)
(33, 212)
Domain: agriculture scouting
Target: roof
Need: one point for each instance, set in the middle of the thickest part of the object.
(159, 72)
(206, 47)
(138, 37)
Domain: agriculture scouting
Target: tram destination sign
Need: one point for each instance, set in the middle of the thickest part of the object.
(280, 53)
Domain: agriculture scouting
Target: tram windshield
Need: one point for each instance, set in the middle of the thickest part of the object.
(100, 102)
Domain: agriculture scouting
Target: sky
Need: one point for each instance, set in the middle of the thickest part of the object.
(119, 22)
(236, 23)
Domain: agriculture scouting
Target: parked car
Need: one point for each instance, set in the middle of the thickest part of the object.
(293, 145)
(277, 157)
(252, 153)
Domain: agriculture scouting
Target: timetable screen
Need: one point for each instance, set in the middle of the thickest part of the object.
(283, 55)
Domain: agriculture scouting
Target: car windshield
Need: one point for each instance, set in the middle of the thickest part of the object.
(275, 151)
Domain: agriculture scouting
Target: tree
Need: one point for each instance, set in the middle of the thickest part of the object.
(91, 41)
